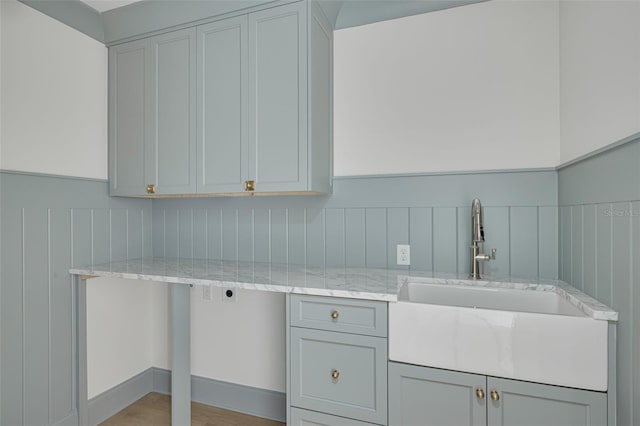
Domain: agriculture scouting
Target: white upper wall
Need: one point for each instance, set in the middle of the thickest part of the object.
(54, 96)
(599, 74)
(468, 88)
(54, 120)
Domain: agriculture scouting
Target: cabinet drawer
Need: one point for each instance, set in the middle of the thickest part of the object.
(343, 315)
(338, 373)
(311, 418)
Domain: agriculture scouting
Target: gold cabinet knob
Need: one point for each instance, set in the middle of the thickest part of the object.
(249, 185)
(335, 315)
(151, 189)
(494, 395)
(480, 393)
(335, 374)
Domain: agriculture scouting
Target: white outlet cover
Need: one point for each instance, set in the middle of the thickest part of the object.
(207, 292)
(404, 254)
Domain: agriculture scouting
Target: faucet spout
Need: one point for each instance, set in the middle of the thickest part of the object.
(477, 240)
(477, 229)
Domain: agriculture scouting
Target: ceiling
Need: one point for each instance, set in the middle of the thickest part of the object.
(102, 5)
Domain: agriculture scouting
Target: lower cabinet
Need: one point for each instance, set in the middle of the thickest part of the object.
(422, 396)
(313, 418)
(339, 375)
(337, 361)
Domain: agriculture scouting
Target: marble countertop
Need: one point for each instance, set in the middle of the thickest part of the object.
(371, 284)
(356, 283)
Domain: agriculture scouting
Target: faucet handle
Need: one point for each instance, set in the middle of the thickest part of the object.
(493, 254)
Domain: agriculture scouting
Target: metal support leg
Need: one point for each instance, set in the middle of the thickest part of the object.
(80, 284)
(181, 351)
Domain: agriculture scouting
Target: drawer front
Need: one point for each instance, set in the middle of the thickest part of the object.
(311, 418)
(338, 373)
(336, 314)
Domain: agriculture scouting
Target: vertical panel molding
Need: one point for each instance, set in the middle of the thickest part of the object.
(49, 224)
(599, 247)
(361, 224)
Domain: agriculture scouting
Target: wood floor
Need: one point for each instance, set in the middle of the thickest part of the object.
(154, 409)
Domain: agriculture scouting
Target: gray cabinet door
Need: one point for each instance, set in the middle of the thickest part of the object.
(533, 404)
(278, 98)
(339, 373)
(223, 139)
(421, 396)
(129, 110)
(171, 147)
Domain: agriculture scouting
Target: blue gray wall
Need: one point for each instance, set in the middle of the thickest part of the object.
(366, 217)
(49, 224)
(599, 245)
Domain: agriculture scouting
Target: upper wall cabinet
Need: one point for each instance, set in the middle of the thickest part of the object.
(241, 105)
(129, 111)
(278, 96)
(153, 115)
(223, 107)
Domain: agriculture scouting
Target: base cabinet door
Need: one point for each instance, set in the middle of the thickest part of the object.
(313, 418)
(516, 403)
(421, 396)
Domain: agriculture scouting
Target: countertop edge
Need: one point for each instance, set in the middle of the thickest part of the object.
(352, 283)
(315, 291)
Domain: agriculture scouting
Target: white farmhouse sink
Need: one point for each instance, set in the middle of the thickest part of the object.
(544, 302)
(532, 334)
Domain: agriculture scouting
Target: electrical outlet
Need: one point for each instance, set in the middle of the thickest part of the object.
(207, 292)
(229, 294)
(404, 254)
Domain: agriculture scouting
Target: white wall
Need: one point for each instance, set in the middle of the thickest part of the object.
(54, 120)
(241, 342)
(119, 331)
(599, 74)
(468, 88)
(54, 91)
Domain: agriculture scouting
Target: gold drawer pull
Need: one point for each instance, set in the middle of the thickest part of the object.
(249, 185)
(480, 393)
(335, 374)
(494, 395)
(335, 315)
(151, 189)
